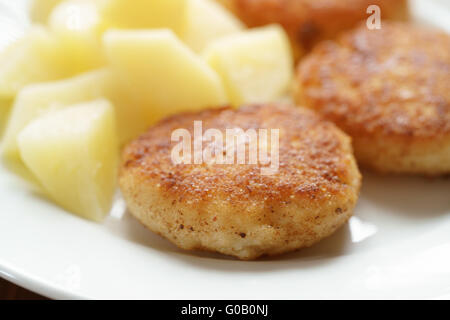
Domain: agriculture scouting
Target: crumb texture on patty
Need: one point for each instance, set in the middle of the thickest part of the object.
(234, 209)
(390, 90)
(310, 21)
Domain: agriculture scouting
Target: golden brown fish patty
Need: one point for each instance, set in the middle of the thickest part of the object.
(310, 21)
(390, 90)
(234, 209)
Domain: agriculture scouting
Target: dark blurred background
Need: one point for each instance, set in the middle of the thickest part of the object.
(9, 291)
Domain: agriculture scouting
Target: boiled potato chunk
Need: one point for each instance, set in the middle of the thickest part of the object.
(255, 65)
(37, 99)
(41, 9)
(30, 59)
(42, 55)
(161, 73)
(146, 14)
(207, 21)
(74, 155)
(5, 106)
(77, 26)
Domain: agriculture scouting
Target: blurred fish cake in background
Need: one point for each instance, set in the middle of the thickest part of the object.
(390, 90)
(309, 21)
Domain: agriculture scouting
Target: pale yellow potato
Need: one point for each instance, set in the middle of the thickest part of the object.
(208, 21)
(133, 116)
(47, 55)
(40, 10)
(37, 99)
(146, 14)
(255, 65)
(162, 75)
(74, 155)
(77, 26)
(33, 58)
(5, 107)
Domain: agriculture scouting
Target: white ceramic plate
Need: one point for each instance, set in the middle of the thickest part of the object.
(396, 246)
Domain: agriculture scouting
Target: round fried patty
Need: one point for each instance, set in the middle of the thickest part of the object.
(390, 90)
(235, 209)
(310, 21)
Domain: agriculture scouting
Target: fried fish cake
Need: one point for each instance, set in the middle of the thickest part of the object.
(390, 90)
(234, 209)
(310, 21)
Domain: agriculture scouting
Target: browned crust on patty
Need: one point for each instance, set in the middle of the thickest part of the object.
(390, 85)
(233, 209)
(310, 21)
(394, 81)
(314, 157)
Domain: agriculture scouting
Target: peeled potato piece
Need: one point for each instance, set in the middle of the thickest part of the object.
(255, 65)
(41, 9)
(74, 155)
(161, 74)
(32, 58)
(5, 106)
(77, 26)
(146, 14)
(43, 55)
(35, 100)
(207, 21)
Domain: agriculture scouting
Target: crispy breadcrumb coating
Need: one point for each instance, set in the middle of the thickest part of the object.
(234, 209)
(390, 90)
